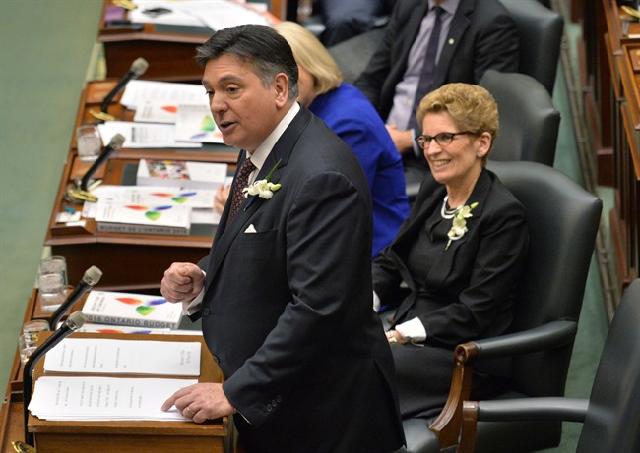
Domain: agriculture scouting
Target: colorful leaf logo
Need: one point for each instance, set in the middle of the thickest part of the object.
(170, 108)
(152, 215)
(143, 309)
(207, 124)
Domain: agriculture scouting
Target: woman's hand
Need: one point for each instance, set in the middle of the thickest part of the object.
(393, 336)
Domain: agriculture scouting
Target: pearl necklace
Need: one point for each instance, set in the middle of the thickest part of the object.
(447, 213)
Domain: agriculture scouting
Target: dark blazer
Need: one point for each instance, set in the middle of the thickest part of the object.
(287, 310)
(471, 285)
(482, 36)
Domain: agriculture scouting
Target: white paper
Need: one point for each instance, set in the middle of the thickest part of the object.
(154, 112)
(140, 92)
(113, 328)
(218, 14)
(175, 16)
(98, 355)
(104, 398)
(155, 196)
(194, 123)
(143, 135)
(205, 216)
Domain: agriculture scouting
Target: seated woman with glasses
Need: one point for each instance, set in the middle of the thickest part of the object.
(352, 117)
(452, 272)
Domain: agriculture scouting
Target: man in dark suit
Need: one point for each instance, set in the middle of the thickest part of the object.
(431, 43)
(286, 300)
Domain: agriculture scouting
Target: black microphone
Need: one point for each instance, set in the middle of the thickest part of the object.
(73, 322)
(137, 68)
(90, 278)
(115, 143)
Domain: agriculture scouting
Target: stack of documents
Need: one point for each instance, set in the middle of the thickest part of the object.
(86, 398)
(167, 115)
(98, 355)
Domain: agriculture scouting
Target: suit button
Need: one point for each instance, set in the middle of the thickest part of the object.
(279, 398)
(206, 312)
(269, 408)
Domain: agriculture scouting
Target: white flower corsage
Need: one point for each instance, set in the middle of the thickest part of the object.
(263, 188)
(459, 223)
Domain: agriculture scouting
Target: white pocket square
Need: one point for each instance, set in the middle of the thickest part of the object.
(250, 229)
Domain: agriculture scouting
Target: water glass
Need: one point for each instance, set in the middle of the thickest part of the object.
(89, 143)
(26, 348)
(31, 329)
(51, 285)
(55, 264)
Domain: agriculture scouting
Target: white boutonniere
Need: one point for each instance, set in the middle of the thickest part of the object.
(459, 223)
(263, 188)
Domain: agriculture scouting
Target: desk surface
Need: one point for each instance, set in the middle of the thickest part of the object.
(127, 260)
(170, 51)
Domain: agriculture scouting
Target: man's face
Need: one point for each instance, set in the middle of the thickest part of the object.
(245, 110)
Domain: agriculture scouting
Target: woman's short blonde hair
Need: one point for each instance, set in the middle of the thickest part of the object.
(309, 53)
(471, 107)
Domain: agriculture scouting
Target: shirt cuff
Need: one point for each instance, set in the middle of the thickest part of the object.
(412, 330)
(192, 306)
(376, 302)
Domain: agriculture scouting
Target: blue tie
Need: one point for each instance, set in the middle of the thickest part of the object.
(429, 66)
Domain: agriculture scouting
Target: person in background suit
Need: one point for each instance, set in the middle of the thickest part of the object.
(285, 306)
(461, 253)
(345, 19)
(430, 43)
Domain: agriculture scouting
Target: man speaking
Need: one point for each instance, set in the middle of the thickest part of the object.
(285, 293)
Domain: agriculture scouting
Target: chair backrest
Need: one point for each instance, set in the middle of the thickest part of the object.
(528, 121)
(613, 417)
(563, 221)
(540, 32)
(353, 54)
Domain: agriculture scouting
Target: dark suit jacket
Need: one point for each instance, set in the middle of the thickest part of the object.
(471, 286)
(482, 36)
(287, 310)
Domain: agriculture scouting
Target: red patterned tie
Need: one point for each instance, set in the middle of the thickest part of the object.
(237, 197)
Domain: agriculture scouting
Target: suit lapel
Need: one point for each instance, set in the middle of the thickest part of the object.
(459, 25)
(279, 155)
(447, 258)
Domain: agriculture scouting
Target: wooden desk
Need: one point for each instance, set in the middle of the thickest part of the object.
(169, 53)
(127, 260)
(131, 436)
(119, 436)
(610, 76)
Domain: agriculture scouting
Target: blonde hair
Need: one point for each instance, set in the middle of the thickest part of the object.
(471, 107)
(309, 53)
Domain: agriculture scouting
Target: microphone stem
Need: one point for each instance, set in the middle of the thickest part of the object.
(99, 161)
(27, 377)
(104, 106)
(64, 307)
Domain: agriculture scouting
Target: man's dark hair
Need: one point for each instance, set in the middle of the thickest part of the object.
(259, 45)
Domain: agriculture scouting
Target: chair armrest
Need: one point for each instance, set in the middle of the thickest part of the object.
(551, 335)
(531, 409)
(448, 424)
(520, 409)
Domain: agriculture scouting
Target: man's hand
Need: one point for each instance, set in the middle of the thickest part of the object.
(182, 281)
(200, 402)
(221, 198)
(402, 139)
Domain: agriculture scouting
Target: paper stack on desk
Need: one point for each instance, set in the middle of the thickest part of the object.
(85, 398)
(101, 355)
(131, 309)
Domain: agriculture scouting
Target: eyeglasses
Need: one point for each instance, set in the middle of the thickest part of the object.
(443, 138)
